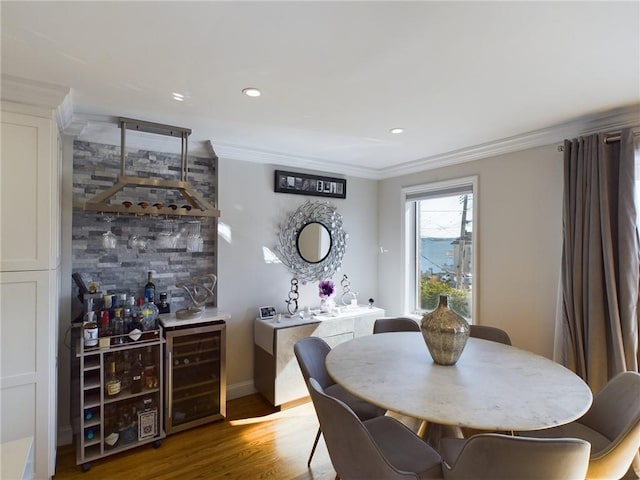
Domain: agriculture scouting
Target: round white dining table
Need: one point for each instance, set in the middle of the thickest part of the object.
(491, 387)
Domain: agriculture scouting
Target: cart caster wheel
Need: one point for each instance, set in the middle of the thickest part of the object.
(86, 467)
(157, 444)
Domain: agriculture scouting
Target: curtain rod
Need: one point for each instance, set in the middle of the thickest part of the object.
(614, 137)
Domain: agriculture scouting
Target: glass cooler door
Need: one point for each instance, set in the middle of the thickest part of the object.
(196, 380)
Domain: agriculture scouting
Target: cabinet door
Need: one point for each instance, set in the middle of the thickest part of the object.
(27, 182)
(26, 383)
(196, 373)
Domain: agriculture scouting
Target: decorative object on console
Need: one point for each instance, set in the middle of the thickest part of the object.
(305, 184)
(327, 290)
(331, 241)
(349, 298)
(292, 301)
(199, 289)
(445, 333)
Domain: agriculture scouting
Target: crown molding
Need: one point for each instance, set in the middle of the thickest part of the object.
(38, 98)
(235, 152)
(104, 129)
(612, 120)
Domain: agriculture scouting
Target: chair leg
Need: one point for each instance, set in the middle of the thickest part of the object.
(313, 449)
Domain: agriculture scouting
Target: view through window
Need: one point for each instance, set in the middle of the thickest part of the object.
(443, 233)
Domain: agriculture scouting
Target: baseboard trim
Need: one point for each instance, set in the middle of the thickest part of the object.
(241, 389)
(65, 435)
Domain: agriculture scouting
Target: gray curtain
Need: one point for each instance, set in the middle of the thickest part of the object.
(600, 282)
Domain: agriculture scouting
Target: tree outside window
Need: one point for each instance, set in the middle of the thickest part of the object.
(443, 235)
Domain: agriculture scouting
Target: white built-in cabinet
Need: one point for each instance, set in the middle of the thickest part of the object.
(30, 167)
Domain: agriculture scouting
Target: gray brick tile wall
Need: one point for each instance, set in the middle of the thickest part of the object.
(96, 167)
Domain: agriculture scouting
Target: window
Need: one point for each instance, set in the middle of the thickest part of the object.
(440, 239)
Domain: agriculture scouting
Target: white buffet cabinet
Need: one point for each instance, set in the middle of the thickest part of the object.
(277, 375)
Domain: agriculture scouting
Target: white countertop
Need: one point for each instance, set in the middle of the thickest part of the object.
(263, 329)
(491, 387)
(169, 320)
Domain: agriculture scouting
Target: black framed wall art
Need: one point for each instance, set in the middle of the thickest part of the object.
(307, 184)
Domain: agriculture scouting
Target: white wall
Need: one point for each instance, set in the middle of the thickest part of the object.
(519, 202)
(252, 212)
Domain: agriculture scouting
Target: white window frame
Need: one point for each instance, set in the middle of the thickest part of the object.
(410, 238)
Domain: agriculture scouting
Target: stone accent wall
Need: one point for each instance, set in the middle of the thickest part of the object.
(124, 270)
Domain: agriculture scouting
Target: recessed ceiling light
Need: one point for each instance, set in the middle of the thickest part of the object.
(178, 97)
(251, 92)
(397, 130)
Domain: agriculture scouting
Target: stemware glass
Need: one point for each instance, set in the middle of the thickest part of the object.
(109, 240)
(195, 243)
(164, 239)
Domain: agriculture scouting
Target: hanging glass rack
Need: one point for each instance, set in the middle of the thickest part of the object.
(199, 206)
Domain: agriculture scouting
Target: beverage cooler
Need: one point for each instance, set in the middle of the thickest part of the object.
(195, 371)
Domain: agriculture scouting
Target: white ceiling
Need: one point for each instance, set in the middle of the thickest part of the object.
(335, 76)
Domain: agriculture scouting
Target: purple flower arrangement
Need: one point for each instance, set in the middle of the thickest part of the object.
(326, 289)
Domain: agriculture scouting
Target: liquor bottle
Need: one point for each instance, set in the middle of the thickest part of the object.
(163, 306)
(150, 288)
(149, 313)
(113, 382)
(90, 330)
(104, 328)
(150, 378)
(136, 325)
(110, 426)
(128, 313)
(118, 327)
(108, 304)
(137, 375)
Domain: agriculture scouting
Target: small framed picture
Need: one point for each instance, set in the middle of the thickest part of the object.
(267, 312)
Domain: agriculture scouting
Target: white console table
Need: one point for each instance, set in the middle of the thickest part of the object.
(276, 372)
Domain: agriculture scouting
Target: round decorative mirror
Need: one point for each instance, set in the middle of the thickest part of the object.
(312, 241)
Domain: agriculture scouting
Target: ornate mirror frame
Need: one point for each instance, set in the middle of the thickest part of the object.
(287, 250)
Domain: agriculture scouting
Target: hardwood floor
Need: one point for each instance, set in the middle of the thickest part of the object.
(255, 441)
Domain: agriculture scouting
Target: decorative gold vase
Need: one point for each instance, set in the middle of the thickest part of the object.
(445, 333)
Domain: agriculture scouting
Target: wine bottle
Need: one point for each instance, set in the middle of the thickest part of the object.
(150, 288)
(137, 377)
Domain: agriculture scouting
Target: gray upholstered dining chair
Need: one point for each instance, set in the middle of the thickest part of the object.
(401, 324)
(611, 425)
(311, 353)
(380, 448)
(397, 324)
(486, 332)
(492, 456)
